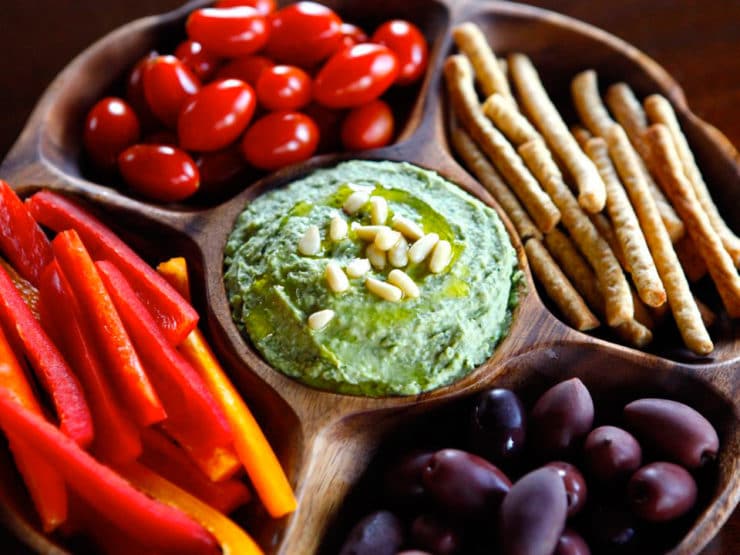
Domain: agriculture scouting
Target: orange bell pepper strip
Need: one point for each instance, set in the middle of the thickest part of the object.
(255, 453)
(232, 539)
(46, 485)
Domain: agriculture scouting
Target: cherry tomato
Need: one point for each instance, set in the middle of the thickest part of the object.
(111, 127)
(279, 139)
(219, 167)
(167, 86)
(229, 32)
(409, 45)
(329, 123)
(247, 69)
(303, 34)
(135, 92)
(284, 88)
(264, 7)
(202, 63)
(368, 126)
(216, 115)
(355, 76)
(159, 172)
(352, 34)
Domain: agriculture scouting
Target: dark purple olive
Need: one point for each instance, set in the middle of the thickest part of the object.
(431, 533)
(571, 543)
(465, 485)
(611, 529)
(611, 453)
(676, 430)
(563, 415)
(379, 533)
(498, 425)
(661, 491)
(575, 485)
(402, 482)
(533, 514)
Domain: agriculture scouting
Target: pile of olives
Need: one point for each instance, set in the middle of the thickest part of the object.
(544, 482)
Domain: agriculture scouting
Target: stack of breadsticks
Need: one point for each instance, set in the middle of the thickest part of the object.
(641, 224)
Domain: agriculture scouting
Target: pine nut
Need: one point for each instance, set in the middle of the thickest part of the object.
(337, 228)
(384, 290)
(355, 201)
(410, 229)
(320, 319)
(440, 257)
(310, 243)
(358, 267)
(375, 256)
(401, 279)
(378, 210)
(357, 187)
(398, 255)
(386, 238)
(421, 248)
(368, 232)
(336, 278)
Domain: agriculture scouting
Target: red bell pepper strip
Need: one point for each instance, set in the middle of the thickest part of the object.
(193, 417)
(123, 364)
(167, 459)
(25, 333)
(21, 239)
(144, 519)
(44, 483)
(29, 293)
(116, 437)
(173, 313)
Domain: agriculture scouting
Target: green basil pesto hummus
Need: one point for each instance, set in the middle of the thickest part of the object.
(371, 346)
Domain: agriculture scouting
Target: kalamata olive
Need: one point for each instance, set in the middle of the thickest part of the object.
(571, 543)
(498, 424)
(379, 533)
(611, 528)
(533, 514)
(661, 491)
(575, 485)
(433, 534)
(464, 484)
(611, 453)
(560, 417)
(402, 482)
(676, 430)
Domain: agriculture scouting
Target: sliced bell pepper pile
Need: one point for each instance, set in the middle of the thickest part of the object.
(28, 292)
(123, 363)
(175, 315)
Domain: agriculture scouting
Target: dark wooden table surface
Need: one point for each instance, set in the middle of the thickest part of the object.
(698, 42)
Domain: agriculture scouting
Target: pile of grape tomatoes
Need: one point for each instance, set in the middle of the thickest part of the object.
(251, 87)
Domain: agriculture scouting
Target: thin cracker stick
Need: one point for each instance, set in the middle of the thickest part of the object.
(627, 228)
(613, 284)
(591, 190)
(659, 110)
(580, 134)
(459, 80)
(509, 119)
(489, 177)
(558, 288)
(691, 261)
(667, 166)
(680, 299)
(604, 226)
(585, 91)
(470, 40)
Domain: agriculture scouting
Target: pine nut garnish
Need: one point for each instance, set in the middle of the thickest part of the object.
(337, 228)
(410, 229)
(336, 278)
(440, 257)
(398, 255)
(421, 248)
(310, 243)
(375, 256)
(378, 210)
(355, 201)
(357, 187)
(368, 232)
(358, 267)
(320, 319)
(386, 238)
(401, 279)
(384, 290)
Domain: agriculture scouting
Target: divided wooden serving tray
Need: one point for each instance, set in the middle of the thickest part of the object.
(326, 440)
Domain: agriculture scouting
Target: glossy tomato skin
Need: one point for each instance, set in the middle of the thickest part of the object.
(279, 139)
(168, 84)
(202, 63)
(217, 168)
(159, 172)
(409, 45)
(355, 76)
(228, 32)
(304, 34)
(247, 68)
(352, 34)
(111, 127)
(368, 126)
(264, 7)
(135, 92)
(284, 88)
(216, 115)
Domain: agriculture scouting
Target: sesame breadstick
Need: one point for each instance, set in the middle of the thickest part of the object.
(470, 40)
(509, 119)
